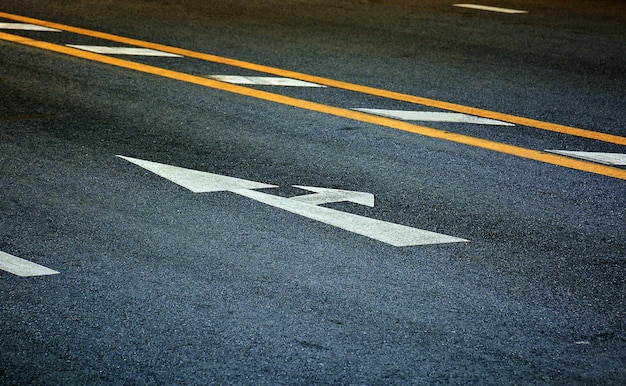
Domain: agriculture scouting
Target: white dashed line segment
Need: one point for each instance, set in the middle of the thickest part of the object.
(105, 50)
(430, 116)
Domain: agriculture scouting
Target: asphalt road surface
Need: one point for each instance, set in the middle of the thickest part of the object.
(161, 223)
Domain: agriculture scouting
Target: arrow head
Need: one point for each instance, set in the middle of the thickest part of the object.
(326, 195)
(195, 180)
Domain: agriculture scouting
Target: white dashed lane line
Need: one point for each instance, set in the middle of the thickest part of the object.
(106, 50)
(613, 159)
(491, 9)
(27, 27)
(432, 116)
(263, 80)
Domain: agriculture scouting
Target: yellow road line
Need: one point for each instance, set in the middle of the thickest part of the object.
(610, 138)
(326, 109)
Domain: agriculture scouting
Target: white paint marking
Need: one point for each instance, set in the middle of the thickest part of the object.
(432, 116)
(263, 81)
(614, 159)
(386, 232)
(27, 27)
(195, 180)
(123, 51)
(21, 267)
(325, 196)
(492, 9)
(389, 233)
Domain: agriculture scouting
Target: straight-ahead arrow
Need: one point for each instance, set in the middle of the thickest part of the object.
(306, 206)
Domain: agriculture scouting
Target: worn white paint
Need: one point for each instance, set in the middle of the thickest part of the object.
(433, 116)
(263, 81)
(21, 267)
(106, 50)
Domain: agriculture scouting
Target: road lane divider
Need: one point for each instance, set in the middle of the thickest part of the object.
(263, 81)
(434, 116)
(27, 27)
(604, 137)
(124, 51)
(490, 8)
(616, 159)
(536, 155)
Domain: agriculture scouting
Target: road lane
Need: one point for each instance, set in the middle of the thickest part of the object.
(329, 82)
(536, 155)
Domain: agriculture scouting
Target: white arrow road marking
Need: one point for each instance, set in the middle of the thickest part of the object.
(433, 116)
(488, 8)
(27, 27)
(390, 233)
(21, 267)
(123, 51)
(615, 159)
(263, 80)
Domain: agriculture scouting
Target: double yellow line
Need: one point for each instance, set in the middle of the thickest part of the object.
(341, 112)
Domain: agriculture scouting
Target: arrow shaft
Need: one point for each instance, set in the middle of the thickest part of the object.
(389, 233)
(321, 198)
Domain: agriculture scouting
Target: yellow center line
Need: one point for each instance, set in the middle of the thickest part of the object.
(610, 138)
(326, 109)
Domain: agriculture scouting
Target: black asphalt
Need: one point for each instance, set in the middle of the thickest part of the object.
(159, 285)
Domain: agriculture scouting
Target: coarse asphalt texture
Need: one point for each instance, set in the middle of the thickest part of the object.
(160, 285)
